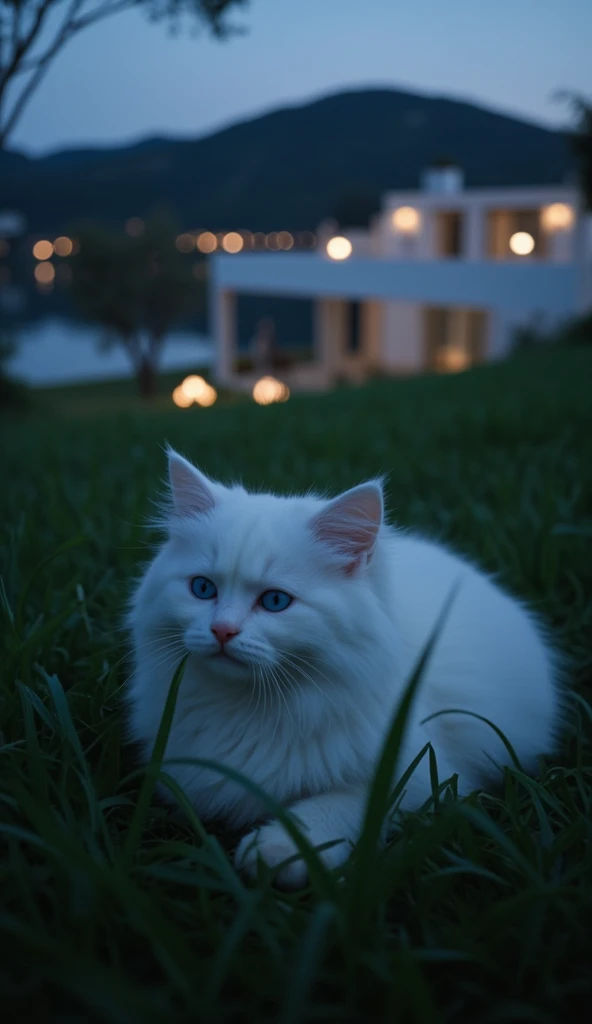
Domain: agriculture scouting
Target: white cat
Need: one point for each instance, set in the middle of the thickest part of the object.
(304, 619)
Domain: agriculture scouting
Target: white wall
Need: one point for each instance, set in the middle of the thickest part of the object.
(402, 339)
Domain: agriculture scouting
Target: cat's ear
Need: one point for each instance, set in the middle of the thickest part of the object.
(350, 523)
(191, 491)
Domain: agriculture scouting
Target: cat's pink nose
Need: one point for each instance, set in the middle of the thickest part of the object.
(224, 632)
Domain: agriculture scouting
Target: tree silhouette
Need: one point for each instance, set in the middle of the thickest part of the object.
(581, 142)
(136, 289)
(34, 32)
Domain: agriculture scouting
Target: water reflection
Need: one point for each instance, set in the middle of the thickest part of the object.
(56, 351)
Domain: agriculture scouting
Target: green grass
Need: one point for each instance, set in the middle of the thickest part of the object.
(113, 909)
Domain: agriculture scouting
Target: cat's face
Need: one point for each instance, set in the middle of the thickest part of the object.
(262, 584)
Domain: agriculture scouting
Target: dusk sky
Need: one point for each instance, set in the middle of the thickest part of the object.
(126, 78)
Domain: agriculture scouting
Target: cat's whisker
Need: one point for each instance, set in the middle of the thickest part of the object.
(301, 671)
(281, 693)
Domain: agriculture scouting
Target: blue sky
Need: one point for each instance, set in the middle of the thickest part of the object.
(126, 78)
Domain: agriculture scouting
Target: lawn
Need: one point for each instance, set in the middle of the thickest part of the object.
(112, 909)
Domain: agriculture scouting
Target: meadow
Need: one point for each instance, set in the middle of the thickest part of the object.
(112, 909)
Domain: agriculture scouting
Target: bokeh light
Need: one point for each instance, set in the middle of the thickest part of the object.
(44, 273)
(194, 389)
(285, 240)
(521, 243)
(339, 248)
(272, 241)
(63, 246)
(557, 217)
(232, 242)
(185, 242)
(406, 220)
(260, 240)
(180, 399)
(135, 227)
(207, 397)
(43, 250)
(206, 242)
(268, 390)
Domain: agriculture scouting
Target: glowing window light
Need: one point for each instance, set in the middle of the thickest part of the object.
(63, 246)
(406, 220)
(268, 390)
(43, 250)
(44, 273)
(521, 243)
(557, 217)
(135, 227)
(184, 242)
(454, 359)
(206, 242)
(339, 248)
(180, 399)
(285, 240)
(232, 242)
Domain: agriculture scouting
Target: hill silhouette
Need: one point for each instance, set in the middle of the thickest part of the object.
(286, 169)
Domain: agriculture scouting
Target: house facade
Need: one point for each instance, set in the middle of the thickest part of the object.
(443, 279)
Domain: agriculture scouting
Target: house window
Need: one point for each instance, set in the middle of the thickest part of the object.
(503, 225)
(449, 232)
(454, 338)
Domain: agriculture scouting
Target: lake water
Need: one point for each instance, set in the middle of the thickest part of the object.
(57, 351)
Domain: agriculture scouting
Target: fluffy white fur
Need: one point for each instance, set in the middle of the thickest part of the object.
(301, 701)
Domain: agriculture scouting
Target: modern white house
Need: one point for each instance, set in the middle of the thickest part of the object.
(442, 280)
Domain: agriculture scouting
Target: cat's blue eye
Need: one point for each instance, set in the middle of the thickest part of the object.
(203, 588)
(275, 600)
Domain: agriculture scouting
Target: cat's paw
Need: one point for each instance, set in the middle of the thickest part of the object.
(272, 844)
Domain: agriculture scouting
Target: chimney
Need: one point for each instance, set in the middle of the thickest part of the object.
(442, 178)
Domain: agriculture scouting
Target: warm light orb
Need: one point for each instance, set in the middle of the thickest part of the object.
(184, 242)
(193, 386)
(521, 243)
(44, 273)
(232, 242)
(269, 390)
(206, 242)
(180, 399)
(406, 220)
(207, 397)
(194, 389)
(285, 240)
(557, 217)
(135, 227)
(454, 359)
(63, 246)
(43, 250)
(339, 248)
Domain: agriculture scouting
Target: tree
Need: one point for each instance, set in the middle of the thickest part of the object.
(34, 32)
(136, 289)
(581, 142)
